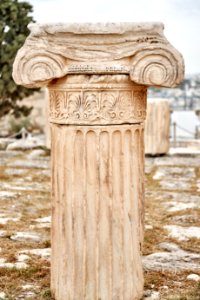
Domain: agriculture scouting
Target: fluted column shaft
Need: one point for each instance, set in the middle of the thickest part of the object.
(97, 181)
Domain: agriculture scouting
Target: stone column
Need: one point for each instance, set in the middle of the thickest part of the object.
(157, 127)
(97, 76)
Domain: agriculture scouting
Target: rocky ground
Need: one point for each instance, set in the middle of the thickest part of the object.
(171, 252)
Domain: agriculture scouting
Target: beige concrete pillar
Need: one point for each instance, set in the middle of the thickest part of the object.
(97, 76)
(157, 127)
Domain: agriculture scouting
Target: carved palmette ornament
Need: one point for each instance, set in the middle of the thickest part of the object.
(97, 106)
(137, 49)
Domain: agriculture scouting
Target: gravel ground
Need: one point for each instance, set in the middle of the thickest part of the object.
(171, 251)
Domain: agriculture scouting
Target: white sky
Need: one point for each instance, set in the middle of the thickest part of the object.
(180, 17)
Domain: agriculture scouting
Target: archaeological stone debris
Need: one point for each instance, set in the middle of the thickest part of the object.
(97, 77)
(157, 127)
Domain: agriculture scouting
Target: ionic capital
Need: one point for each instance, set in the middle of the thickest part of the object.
(138, 49)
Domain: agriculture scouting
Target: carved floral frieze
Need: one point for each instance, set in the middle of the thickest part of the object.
(97, 107)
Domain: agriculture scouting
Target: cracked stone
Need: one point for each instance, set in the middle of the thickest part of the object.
(175, 260)
(20, 185)
(2, 295)
(8, 194)
(180, 201)
(5, 220)
(44, 220)
(183, 233)
(198, 185)
(194, 277)
(25, 144)
(17, 265)
(178, 160)
(3, 233)
(185, 218)
(37, 164)
(28, 286)
(178, 206)
(151, 295)
(12, 172)
(27, 237)
(44, 253)
(37, 153)
(175, 185)
(26, 295)
(174, 172)
(23, 257)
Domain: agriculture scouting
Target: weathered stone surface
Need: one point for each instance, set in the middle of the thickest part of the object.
(177, 201)
(3, 233)
(178, 206)
(37, 153)
(97, 76)
(175, 177)
(194, 277)
(198, 185)
(186, 218)
(27, 237)
(7, 194)
(2, 295)
(17, 265)
(4, 143)
(36, 163)
(178, 160)
(14, 171)
(138, 49)
(174, 260)
(85, 154)
(183, 233)
(96, 100)
(174, 173)
(157, 127)
(44, 220)
(17, 186)
(23, 257)
(175, 185)
(25, 144)
(151, 295)
(27, 295)
(7, 156)
(4, 218)
(40, 207)
(44, 253)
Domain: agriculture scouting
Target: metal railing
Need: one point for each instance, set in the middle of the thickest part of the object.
(192, 135)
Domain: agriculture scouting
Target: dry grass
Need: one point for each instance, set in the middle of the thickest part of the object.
(32, 205)
(171, 285)
(178, 287)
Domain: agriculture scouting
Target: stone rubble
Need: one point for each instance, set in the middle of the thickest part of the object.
(44, 253)
(151, 295)
(183, 233)
(17, 265)
(3, 233)
(4, 219)
(27, 237)
(2, 295)
(194, 277)
(174, 260)
(25, 144)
